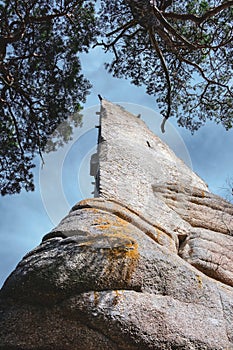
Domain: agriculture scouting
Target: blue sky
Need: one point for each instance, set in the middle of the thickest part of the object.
(27, 217)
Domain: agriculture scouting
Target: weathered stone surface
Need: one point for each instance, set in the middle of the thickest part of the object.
(146, 265)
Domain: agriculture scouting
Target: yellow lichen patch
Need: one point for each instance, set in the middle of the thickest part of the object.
(103, 224)
(203, 194)
(84, 202)
(121, 222)
(124, 246)
(122, 255)
(96, 298)
(199, 279)
(118, 295)
(116, 244)
(132, 251)
(94, 210)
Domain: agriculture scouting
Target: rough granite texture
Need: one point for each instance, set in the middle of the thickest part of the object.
(147, 264)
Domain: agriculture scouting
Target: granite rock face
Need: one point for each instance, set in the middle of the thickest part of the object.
(147, 264)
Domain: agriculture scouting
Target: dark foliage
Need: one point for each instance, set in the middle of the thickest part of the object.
(180, 50)
(40, 79)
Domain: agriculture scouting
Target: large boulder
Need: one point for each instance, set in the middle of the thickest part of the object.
(147, 264)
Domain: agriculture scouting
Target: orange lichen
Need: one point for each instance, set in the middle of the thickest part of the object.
(103, 224)
(104, 227)
(96, 298)
(120, 249)
(123, 256)
(118, 295)
(122, 222)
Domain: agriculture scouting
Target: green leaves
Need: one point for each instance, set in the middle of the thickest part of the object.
(203, 7)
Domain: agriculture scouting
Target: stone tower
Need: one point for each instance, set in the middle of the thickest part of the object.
(146, 264)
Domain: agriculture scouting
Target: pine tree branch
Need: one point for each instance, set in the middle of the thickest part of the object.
(164, 66)
(198, 19)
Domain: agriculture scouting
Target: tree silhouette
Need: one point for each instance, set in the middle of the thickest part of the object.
(180, 50)
(40, 79)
